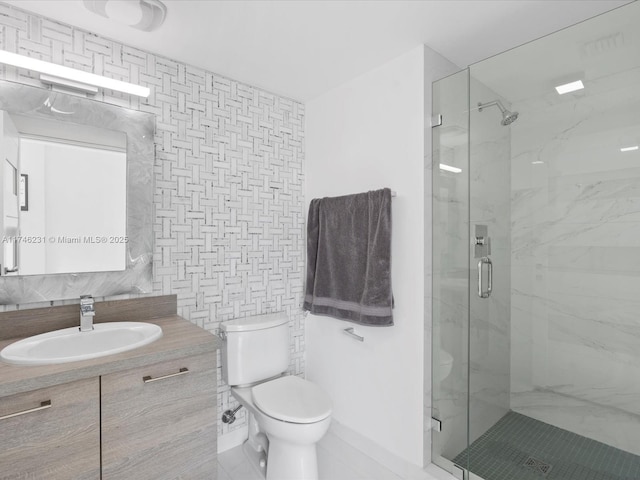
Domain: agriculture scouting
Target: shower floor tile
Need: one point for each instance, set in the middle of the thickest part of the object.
(521, 448)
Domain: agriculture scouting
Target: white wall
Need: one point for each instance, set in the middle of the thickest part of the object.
(367, 134)
(85, 196)
(33, 256)
(78, 192)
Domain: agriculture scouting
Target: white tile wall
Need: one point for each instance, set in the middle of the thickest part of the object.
(229, 199)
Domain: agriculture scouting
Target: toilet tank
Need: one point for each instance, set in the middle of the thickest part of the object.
(255, 348)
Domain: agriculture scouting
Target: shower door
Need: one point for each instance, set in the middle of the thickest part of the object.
(489, 243)
(451, 283)
(471, 269)
(536, 251)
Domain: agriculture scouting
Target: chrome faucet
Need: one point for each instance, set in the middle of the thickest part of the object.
(87, 313)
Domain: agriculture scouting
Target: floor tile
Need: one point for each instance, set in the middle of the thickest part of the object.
(363, 465)
(231, 459)
(332, 468)
(222, 474)
(337, 460)
(521, 447)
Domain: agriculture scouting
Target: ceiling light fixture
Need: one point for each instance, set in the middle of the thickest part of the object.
(145, 15)
(570, 87)
(70, 77)
(449, 168)
(629, 149)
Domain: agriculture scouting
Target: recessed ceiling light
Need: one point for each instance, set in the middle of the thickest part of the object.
(570, 87)
(629, 149)
(537, 162)
(449, 168)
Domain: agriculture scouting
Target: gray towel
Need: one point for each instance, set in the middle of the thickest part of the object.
(349, 258)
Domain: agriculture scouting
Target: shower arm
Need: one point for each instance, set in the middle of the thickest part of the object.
(491, 104)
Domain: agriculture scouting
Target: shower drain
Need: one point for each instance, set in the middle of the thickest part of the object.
(537, 466)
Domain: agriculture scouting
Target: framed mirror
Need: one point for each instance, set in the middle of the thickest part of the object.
(76, 206)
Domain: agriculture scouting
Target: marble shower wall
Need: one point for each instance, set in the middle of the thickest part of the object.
(576, 255)
(229, 199)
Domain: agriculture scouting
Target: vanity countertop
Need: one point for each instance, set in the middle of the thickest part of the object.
(180, 338)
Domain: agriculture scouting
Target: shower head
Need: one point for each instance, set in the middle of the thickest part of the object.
(508, 117)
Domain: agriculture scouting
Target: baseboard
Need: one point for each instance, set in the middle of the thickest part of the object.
(397, 465)
(438, 473)
(233, 439)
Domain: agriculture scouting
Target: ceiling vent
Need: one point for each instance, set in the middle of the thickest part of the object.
(603, 45)
(145, 15)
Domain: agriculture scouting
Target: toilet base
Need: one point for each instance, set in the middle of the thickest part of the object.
(287, 461)
(290, 447)
(256, 446)
(257, 460)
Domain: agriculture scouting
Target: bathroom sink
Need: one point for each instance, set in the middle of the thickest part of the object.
(71, 345)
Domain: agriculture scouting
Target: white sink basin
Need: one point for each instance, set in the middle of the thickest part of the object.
(72, 345)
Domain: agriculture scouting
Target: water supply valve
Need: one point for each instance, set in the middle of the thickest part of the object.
(229, 416)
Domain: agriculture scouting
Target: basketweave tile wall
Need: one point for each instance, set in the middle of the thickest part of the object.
(229, 221)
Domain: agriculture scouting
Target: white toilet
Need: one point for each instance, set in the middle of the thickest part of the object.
(292, 412)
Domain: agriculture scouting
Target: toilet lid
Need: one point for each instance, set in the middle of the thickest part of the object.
(292, 399)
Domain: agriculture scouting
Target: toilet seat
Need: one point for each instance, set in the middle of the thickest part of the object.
(292, 399)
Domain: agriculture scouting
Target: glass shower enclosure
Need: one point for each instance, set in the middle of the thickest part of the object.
(536, 254)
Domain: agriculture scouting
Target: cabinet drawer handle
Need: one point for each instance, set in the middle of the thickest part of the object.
(43, 406)
(149, 379)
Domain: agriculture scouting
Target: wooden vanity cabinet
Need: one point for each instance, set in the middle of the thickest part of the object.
(52, 433)
(159, 422)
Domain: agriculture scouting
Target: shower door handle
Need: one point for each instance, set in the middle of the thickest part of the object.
(482, 292)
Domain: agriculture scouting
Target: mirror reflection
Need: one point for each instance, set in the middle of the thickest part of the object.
(64, 191)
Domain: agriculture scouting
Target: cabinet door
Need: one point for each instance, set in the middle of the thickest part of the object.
(52, 433)
(159, 422)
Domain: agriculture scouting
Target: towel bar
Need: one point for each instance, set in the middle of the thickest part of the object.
(349, 331)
